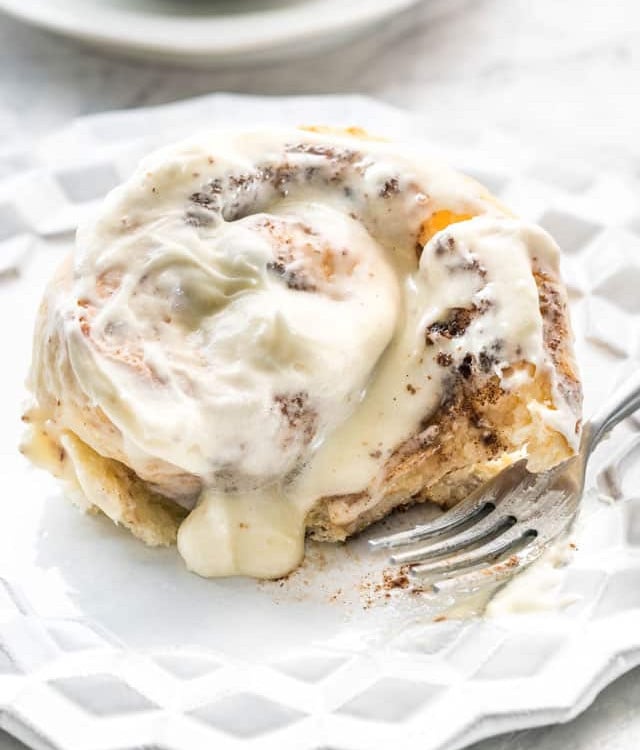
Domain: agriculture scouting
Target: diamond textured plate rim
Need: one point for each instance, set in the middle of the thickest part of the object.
(105, 644)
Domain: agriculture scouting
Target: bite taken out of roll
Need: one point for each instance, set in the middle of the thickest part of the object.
(268, 333)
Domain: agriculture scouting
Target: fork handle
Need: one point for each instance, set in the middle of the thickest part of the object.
(622, 403)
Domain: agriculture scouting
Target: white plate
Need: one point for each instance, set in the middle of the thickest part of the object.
(105, 644)
(208, 31)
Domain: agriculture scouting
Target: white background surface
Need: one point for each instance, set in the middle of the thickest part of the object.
(562, 76)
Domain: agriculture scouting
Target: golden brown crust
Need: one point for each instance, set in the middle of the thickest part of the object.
(114, 489)
(558, 336)
(478, 430)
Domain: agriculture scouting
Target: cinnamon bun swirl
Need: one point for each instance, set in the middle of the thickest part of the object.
(269, 333)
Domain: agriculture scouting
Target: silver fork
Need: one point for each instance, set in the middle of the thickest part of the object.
(507, 523)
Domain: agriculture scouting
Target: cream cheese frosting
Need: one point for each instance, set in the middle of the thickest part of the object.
(271, 313)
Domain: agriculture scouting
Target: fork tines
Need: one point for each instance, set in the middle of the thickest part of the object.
(499, 520)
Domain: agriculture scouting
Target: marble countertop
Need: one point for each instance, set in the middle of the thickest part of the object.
(561, 75)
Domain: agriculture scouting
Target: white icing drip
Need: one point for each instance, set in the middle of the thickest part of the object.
(248, 533)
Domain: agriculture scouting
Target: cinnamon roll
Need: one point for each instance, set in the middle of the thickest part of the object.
(269, 333)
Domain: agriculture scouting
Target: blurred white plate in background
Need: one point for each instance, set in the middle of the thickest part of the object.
(208, 31)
